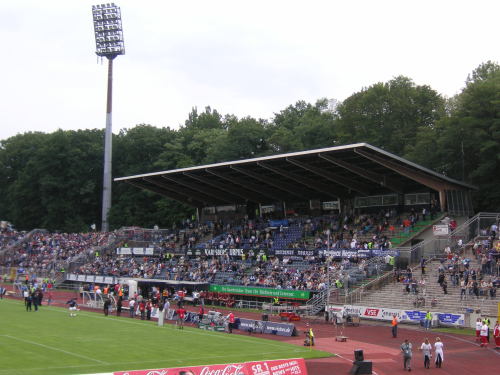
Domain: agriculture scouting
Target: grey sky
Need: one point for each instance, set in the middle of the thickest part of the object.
(244, 58)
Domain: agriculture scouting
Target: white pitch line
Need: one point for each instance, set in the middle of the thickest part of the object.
(93, 315)
(159, 361)
(56, 349)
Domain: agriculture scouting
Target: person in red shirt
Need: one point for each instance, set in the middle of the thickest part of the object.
(181, 313)
(201, 313)
(149, 307)
(496, 335)
(142, 309)
(230, 318)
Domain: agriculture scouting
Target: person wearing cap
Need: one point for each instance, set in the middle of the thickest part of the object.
(407, 354)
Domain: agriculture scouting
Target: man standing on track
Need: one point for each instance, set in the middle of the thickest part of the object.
(181, 313)
(428, 320)
(394, 325)
(496, 335)
(407, 354)
(131, 307)
(230, 318)
(484, 335)
(107, 303)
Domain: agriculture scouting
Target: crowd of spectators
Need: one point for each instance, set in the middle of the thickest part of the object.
(45, 252)
(8, 235)
(354, 231)
(280, 273)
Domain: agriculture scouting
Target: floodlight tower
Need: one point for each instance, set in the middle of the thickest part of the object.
(109, 43)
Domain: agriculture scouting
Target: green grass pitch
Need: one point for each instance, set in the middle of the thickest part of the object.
(51, 342)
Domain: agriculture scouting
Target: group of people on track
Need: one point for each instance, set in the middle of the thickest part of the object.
(426, 349)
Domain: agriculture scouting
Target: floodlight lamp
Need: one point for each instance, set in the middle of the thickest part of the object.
(107, 22)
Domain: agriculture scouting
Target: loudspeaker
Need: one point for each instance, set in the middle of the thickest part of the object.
(358, 355)
(361, 368)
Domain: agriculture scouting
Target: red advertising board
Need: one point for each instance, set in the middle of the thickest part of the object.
(371, 312)
(276, 367)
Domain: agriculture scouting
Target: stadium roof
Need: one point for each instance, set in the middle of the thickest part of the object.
(326, 174)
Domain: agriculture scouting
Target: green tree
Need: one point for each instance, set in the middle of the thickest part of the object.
(389, 115)
(469, 138)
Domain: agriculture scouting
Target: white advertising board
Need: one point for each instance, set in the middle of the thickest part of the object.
(440, 230)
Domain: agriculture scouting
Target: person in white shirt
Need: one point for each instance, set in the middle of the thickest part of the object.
(479, 325)
(131, 306)
(438, 352)
(426, 349)
(484, 335)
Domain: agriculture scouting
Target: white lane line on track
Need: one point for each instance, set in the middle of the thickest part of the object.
(467, 341)
(452, 337)
(56, 349)
(348, 360)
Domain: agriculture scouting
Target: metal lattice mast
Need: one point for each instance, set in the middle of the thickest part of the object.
(109, 43)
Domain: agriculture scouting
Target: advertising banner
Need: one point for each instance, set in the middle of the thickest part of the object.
(295, 252)
(415, 316)
(441, 230)
(280, 329)
(251, 253)
(250, 325)
(259, 326)
(261, 292)
(275, 367)
(292, 253)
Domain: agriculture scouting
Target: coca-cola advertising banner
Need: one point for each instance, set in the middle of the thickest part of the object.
(295, 366)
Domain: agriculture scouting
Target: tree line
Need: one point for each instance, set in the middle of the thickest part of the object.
(54, 180)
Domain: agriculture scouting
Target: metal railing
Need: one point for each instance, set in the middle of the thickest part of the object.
(471, 229)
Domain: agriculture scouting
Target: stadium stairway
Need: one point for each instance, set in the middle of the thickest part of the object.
(393, 295)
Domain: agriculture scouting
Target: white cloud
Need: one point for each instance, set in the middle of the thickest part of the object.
(246, 58)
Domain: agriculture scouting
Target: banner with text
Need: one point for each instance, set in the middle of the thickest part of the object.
(296, 366)
(415, 316)
(260, 292)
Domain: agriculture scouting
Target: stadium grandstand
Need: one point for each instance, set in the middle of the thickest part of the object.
(333, 229)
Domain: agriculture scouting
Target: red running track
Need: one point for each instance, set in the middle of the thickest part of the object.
(462, 355)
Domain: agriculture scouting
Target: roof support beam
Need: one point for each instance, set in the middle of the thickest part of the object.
(246, 195)
(407, 172)
(369, 175)
(162, 192)
(317, 186)
(269, 181)
(201, 189)
(248, 186)
(188, 193)
(332, 177)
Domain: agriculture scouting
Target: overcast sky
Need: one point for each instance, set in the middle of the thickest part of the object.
(248, 58)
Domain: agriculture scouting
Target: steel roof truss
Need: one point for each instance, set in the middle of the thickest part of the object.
(369, 175)
(316, 186)
(426, 180)
(202, 189)
(332, 177)
(248, 186)
(246, 195)
(169, 195)
(269, 181)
